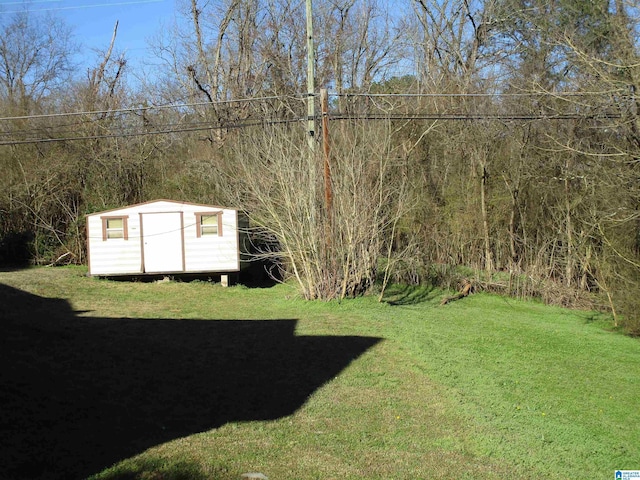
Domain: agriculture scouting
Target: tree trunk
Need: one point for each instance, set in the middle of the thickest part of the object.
(569, 268)
(488, 257)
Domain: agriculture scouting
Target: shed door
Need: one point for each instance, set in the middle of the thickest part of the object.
(162, 242)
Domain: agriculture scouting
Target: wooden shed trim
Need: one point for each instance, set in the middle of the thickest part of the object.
(199, 216)
(174, 203)
(125, 225)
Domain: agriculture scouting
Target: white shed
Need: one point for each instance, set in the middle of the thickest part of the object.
(162, 237)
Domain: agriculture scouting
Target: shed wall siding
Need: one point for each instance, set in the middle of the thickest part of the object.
(212, 252)
(115, 255)
(209, 253)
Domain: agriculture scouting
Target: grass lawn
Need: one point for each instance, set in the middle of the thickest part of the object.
(165, 381)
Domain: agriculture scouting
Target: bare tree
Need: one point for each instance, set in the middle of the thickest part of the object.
(35, 58)
(452, 38)
(328, 259)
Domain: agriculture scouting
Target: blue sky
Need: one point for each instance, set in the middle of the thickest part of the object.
(92, 22)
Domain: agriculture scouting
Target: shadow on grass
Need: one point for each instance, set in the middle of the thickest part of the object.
(409, 294)
(152, 468)
(81, 393)
(160, 469)
(15, 251)
(257, 274)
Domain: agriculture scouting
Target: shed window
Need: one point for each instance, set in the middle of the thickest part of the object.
(209, 224)
(114, 227)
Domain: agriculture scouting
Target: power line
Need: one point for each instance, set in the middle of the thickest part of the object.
(150, 132)
(77, 7)
(480, 116)
(203, 126)
(137, 237)
(303, 97)
(31, 1)
(146, 108)
(44, 134)
(479, 95)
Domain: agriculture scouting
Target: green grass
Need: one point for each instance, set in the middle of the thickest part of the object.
(484, 387)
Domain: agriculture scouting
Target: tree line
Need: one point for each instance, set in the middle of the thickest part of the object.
(501, 136)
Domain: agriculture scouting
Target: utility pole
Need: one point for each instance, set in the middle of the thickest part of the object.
(311, 117)
(328, 194)
(311, 111)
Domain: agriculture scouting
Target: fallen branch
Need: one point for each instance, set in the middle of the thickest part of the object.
(467, 287)
(57, 261)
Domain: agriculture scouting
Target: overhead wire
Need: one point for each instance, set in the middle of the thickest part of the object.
(454, 116)
(149, 132)
(143, 108)
(76, 7)
(31, 1)
(124, 131)
(300, 96)
(148, 235)
(472, 95)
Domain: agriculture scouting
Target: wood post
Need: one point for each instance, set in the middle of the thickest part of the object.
(328, 193)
